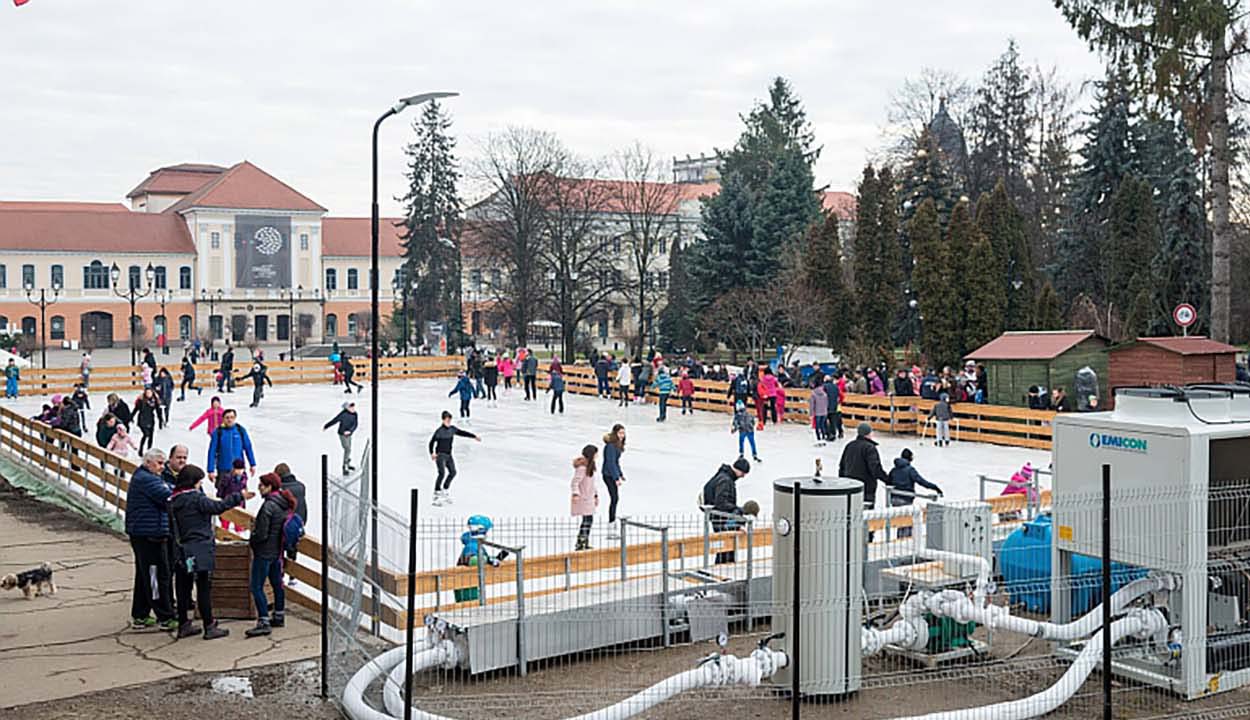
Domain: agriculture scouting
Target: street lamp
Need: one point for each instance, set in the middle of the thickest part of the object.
(43, 302)
(133, 295)
(374, 286)
(212, 298)
(162, 297)
(291, 297)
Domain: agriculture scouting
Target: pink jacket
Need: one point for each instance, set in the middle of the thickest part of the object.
(121, 443)
(585, 496)
(1021, 483)
(769, 386)
(506, 368)
(212, 415)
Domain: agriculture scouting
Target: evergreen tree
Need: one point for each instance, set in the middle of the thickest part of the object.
(728, 231)
(1182, 261)
(925, 178)
(983, 296)
(786, 209)
(888, 298)
(1107, 158)
(678, 321)
(432, 221)
(934, 286)
(1131, 241)
(1052, 177)
(821, 284)
(864, 244)
(1049, 314)
(875, 290)
(1004, 228)
(1001, 128)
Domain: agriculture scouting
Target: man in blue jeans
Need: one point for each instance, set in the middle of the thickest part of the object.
(266, 541)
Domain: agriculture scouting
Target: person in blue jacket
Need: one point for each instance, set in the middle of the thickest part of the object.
(229, 442)
(465, 387)
(664, 384)
(147, 525)
(903, 478)
(555, 386)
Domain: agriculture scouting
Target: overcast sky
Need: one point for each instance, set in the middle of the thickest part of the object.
(95, 94)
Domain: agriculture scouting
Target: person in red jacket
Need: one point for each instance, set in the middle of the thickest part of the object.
(685, 388)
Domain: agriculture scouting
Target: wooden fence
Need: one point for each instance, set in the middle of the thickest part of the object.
(997, 424)
(316, 370)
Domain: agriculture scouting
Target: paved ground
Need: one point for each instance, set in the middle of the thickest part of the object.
(77, 641)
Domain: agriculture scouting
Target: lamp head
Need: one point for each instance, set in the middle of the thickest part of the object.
(115, 272)
(404, 103)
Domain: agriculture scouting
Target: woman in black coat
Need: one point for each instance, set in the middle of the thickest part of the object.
(191, 515)
(147, 411)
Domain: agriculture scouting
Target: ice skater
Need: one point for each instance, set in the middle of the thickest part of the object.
(11, 375)
(465, 388)
(259, 375)
(490, 375)
(613, 476)
(440, 453)
(555, 386)
(818, 408)
(212, 416)
(624, 382)
(507, 369)
(529, 376)
(721, 494)
(664, 384)
(685, 389)
(745, 427)
(347, 421)
(188, 379)
(941, 415)
(349, 372)
(585, 498)
(164, 386)
(147, 409)
(903, 479)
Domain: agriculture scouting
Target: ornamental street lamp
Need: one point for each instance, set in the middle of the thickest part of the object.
(291, 297)
(43, 302)
(132, 294)
(162, 297)
(374, 286)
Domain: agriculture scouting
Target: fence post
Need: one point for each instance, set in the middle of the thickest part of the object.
(481, 576)
(412, 599)
(624, 550)
(664, 584)
(796, 615)
(1106, 591)
(750, 567)
(707, 540)
(520, 611)
(325, 576)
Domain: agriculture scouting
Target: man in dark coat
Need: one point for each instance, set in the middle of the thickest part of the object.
(147, 524)
(861, 461)
(721, 493)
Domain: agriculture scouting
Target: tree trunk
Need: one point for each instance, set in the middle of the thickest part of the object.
(1221, 232)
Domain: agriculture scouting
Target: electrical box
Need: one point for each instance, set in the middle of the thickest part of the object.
(960, 527)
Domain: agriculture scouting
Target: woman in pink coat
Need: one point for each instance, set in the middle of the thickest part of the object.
(769, 390)
(585, 496)
(508, 369)
(212, 415)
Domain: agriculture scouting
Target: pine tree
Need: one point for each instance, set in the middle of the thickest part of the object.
(1049, 314)
(984, 299)
(820, 278)
(432, 220)
(925, 178)
(1004, 227)
(864, 244)
(1001, 128)
(1107, 158)
(876, 268)
(678, 323)
(888, 298)
(728, 230)
(786, 209)
(1132, 240)
(934, 286)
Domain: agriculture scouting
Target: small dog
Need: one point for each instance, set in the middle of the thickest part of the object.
(31, 582)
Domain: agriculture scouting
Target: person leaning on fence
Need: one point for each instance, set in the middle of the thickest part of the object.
(11, 376)
(861, 461)
(147, 525)
(904, 477)
(721, 494)
(191, 515)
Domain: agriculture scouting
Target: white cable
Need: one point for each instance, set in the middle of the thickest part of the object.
(1141, 623)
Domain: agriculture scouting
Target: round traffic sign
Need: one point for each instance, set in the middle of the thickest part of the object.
(1185, 315)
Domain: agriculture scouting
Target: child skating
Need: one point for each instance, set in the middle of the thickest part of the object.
(744, 425)
(585, 497)
(465, 388)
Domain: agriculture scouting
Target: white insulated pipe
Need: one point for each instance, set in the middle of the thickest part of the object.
(981, 591)
(1141, 623)
(910, 631)
(720, 671)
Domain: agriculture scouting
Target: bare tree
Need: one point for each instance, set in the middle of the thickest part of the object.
(517, 167)
(756, 320)
(581, 274)
(913, 106)
(648, 207)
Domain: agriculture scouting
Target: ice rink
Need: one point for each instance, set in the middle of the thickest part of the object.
(523, 467)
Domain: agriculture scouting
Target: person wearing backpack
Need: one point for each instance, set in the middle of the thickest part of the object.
(297, 489)
(191, 515)
(227, 443)
(274, 523)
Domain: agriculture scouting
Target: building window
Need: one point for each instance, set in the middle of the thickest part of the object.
(95, 276)
(184, 278)
(352, 325)
(215, 241)
(332, 281)
(58, 327)
(58, 276)
(29, 326)
(4, 322)
(159, 279)
(616, 278)
(353, 279)
(616, 244)
(661, 280)
(332, 325)
(216, 327)
(663, 245)
(28, 276)
(4, 276)
(475, 280)
(136, 277)
(618, 317)
(496, 279)
(184, 327)
(303, 241)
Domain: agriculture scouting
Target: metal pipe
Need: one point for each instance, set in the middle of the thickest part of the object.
(373, 375)
(750, 567)
(325, 576)
(1107, 640)
(624, 551)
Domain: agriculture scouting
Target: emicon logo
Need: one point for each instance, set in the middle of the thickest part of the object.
(1117, 442)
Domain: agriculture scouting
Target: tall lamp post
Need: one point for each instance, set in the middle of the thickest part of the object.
(43, 302)
(212, 298)
(163, 297)
(291, 296)
(401, 287)
(133, 295)
(374, 351)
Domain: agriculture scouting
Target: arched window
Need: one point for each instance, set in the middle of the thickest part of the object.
(353, 279)
(95, 276)
(332, 279)
(352, 325)
(184, 326)
(184, 277)
(332, 326)
(57, 328)
(29, 326)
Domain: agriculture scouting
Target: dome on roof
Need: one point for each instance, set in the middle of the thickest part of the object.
(949, 137)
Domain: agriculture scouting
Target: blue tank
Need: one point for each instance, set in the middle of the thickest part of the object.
(1024, 562)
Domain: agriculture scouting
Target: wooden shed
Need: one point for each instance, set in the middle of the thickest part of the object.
(1172, 361)
(1014, 361)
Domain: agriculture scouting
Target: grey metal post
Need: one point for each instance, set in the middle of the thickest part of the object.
(796, 622)
(481, 575)
(981, 481)
(520, 611)
(889, 502)
(568, 574)
(624, 549)
(750, 568)
(1106, 592)
(438, 591)
(325, 577)
(664, 584)
(707, 539)
(412, 595)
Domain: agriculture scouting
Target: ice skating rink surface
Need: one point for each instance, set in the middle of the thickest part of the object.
(523, 465)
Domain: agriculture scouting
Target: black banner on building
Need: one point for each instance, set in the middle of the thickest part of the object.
(262, 251)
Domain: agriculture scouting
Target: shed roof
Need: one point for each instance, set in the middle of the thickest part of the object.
(1195, 345)
(1032, 345)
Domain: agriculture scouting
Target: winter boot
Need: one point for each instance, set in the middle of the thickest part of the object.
(212, 632)
(613, 532)
(582, 544)
(187, 629)
(756, 458)
(278, 619)
(262, 628)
